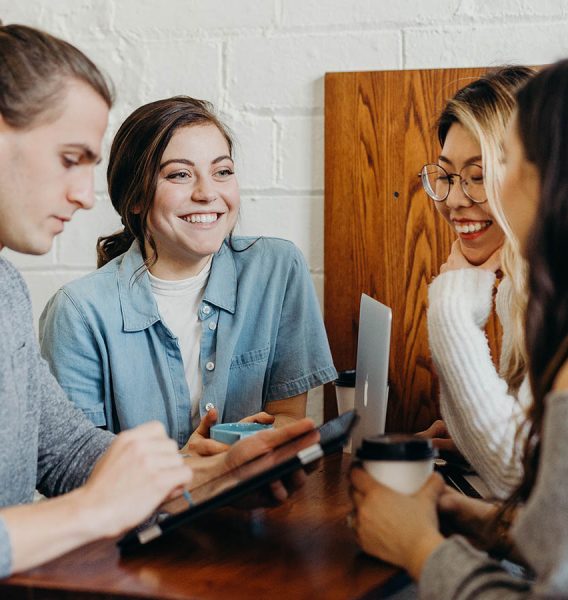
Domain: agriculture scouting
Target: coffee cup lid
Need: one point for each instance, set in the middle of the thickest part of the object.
(396, 447)
(345, 378)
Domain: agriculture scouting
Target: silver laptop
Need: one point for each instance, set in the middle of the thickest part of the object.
(371, 382)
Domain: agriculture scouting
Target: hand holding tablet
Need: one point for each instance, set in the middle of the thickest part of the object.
(249, 465)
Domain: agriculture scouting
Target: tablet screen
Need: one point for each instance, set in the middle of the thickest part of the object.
(223, 489)
(229, 480)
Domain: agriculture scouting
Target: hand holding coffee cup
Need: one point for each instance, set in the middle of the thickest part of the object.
(402, 462)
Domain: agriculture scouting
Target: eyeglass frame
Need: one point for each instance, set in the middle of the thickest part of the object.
(450, 182)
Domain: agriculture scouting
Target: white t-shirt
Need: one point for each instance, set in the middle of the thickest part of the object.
(178, 303)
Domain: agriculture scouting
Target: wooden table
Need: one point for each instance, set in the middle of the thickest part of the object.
(302, 549)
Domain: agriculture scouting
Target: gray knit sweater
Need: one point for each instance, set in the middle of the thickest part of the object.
(457, 571)
(45, 442)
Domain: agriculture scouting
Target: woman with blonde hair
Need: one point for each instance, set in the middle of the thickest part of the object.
(404, 529)
(482, 406)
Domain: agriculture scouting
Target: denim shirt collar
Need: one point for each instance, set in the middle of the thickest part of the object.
(137, 302)
(221, 290)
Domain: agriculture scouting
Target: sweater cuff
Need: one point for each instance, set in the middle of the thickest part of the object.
(448, 567)
(456, 570)
(466, 289)
(5, 551)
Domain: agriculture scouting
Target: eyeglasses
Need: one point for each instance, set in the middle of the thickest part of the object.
(437, 182)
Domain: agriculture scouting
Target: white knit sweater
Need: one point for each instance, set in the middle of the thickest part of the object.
(480, 414)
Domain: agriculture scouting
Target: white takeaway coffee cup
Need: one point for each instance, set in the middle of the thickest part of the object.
(403, 462)
(345, 396)
(345, 391)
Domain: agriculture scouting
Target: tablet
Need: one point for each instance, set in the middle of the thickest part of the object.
(222, 490)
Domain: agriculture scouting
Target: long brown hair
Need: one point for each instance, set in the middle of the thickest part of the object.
(542, 125)
(483, 108)
(34, 67)
(133, 167)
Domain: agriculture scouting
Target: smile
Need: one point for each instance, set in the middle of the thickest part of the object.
(471, 227)
(200, 218)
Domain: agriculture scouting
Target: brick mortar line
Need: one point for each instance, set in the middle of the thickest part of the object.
(219, 35)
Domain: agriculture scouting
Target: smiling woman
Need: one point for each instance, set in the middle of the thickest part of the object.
(533, 524)
(195, 165)
(464, 206)
(184, 321)
(482, 407)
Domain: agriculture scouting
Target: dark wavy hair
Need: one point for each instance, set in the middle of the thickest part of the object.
(542, 125)
(134, 165)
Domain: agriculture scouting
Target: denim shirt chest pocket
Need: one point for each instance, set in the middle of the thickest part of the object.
(247, 374)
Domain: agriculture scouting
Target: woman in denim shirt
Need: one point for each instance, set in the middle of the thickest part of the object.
(183, 320)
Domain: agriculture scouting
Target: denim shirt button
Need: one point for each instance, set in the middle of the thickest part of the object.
(212, 325)
(206, 310)
(210, 366)
(209, 406)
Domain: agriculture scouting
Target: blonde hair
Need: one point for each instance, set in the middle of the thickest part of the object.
(484, 108)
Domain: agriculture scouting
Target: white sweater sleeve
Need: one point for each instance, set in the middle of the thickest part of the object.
(480, 414)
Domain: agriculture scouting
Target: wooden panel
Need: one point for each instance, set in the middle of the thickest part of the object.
(383, 237)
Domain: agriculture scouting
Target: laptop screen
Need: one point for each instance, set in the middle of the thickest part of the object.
(371, 384)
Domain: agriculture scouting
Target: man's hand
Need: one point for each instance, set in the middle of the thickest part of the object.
(141, 468)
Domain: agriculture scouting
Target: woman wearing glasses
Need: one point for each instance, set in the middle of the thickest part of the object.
(535, 202)
(482, 408)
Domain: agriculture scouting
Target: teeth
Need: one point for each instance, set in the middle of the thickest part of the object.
(471, 227)
(208, 218)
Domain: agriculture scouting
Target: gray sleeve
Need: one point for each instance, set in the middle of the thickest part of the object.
(541, 531)
(69, 444)
(456, 570)
(5, 551)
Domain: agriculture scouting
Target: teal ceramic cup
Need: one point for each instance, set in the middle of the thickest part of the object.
(229, 433)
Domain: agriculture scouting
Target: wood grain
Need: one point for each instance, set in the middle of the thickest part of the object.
(382, 235)
(301, 550)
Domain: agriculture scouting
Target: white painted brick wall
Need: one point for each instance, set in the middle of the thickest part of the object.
(262, 63)
(284, 71)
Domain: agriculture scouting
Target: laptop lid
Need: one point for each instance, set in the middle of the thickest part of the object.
(371, 382)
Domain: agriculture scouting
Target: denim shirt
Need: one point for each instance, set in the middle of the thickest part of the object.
(262, 339)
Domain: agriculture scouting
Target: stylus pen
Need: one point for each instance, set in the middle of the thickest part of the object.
(188, 497)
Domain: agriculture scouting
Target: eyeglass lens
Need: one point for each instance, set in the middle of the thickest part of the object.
(437, 182)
